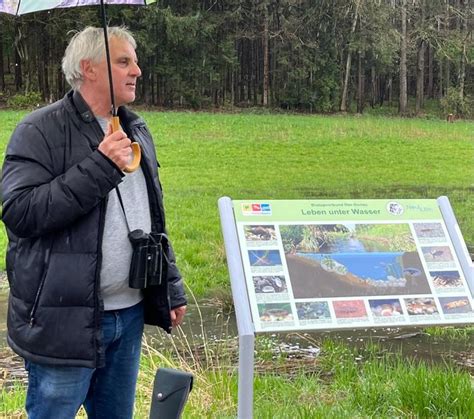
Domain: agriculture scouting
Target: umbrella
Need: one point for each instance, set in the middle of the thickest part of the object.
(21, 7)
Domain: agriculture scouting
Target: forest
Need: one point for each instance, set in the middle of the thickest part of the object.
(316, 56)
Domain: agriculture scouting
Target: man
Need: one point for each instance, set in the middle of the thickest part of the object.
(69, 208)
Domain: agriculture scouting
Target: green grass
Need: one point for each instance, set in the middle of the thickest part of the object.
(205, 156)
(451, 333)
(340, 383)
(12, 400)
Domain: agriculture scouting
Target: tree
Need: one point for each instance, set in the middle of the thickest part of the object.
(403, 100)
(345, 88)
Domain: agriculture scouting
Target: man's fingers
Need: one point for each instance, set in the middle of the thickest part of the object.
(117, 147)
(177, 315)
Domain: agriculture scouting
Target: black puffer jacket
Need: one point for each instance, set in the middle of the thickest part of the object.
(55, 185)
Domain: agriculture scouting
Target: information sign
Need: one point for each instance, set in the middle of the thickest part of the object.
(332, 264)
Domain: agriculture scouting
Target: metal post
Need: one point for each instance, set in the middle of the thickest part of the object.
(245, 325)
(457, 240)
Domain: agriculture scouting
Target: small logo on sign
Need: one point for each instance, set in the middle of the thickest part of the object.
(394, 208)
(256, 209)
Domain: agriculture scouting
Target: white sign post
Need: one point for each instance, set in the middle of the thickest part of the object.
(338, 264)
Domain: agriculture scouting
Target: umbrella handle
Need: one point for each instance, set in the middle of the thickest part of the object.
(136, 151)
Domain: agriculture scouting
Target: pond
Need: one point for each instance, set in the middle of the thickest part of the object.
(371, 265)
(205, 324)
(349, 245)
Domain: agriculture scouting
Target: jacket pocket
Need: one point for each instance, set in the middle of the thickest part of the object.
(40, 288)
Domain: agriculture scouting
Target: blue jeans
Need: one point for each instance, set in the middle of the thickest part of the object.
(109, 392)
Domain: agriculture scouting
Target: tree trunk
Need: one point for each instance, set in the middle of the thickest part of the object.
(374, 86)
(390, 89)
(420, 76)
(430, 92)
(360, 84)
(440, 69)
(266, 60)
(420, 66)
(2, 64)
(232, 87)
(254, 69)
(345, 89)
(403, 61)
(46, 64)
(462, 66)
(18, 72)
(448, 62)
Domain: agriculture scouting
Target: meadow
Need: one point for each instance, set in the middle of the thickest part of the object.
(204, 156)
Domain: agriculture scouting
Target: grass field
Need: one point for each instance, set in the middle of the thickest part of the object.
(205, 156)
(341, 382)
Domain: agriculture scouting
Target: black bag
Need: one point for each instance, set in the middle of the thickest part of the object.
(170, 392)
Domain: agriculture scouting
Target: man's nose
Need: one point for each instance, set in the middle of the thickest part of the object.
(136, 70)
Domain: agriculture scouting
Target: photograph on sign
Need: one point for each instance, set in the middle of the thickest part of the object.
(352, 260)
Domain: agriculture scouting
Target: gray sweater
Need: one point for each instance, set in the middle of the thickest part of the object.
(116, 248)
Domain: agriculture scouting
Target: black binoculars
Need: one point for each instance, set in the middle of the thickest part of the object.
(149, 259)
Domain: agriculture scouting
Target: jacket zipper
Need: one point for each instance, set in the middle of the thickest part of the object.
(97, 297)
(98, 305)
(40, 288)
(152, 196)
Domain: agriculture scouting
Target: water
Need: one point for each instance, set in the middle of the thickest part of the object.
(206, 324)
(370, 265)
(349, 245)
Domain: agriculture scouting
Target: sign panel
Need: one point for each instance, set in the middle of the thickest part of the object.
(327, 264)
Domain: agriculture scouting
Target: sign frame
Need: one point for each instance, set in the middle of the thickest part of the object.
(245, 325)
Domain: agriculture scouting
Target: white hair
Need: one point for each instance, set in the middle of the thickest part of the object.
(89, 45)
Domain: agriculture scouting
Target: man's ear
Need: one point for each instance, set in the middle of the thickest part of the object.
(88, 70)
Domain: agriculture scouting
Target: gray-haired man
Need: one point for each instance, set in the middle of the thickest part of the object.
(69, 208)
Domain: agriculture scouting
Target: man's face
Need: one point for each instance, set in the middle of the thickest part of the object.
(125, 72)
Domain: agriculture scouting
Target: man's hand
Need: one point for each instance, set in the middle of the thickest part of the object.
(116, 146)
(177, 315)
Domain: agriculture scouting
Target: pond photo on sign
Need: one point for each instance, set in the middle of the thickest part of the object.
(348, 259)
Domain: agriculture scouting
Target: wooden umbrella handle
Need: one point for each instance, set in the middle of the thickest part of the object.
(136, 150)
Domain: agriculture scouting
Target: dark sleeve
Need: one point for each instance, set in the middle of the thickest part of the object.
(35, 201)
(175, 282)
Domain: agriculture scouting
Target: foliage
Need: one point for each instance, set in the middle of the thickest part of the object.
(24, 101)
(202, 54)
(291, 236)
(453, 104)
(386, 237)
(452, 333)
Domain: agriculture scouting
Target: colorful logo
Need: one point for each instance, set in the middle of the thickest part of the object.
(256, 209)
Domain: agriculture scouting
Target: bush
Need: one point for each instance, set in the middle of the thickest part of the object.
(453, 104)
(22, 101)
